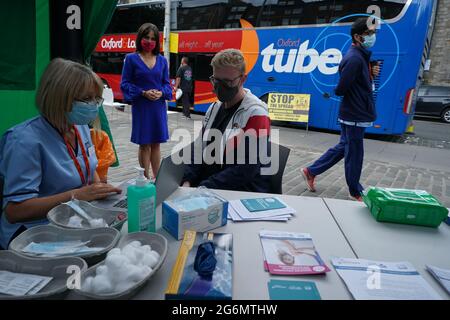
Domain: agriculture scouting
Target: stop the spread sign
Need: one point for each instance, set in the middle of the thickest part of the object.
(289, 107)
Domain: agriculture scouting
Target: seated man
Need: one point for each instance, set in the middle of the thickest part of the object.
(234, 130)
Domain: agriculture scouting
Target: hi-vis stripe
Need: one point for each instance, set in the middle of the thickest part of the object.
(178, 268)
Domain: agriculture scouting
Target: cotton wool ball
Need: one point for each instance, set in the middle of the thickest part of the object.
(147, 248)
(75, 222)
(116, 262)
(130, 253)
(149, 260)
(139, 252)
(102, 270)
(102, 285)
(98, 223)
(114, 252)
(146, 271)
(135, 244)
(87, 284)
(155, 254)
(133, 274)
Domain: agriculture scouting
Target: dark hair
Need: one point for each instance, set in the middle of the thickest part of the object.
(359, 26)
(185, 60)
(142, 32)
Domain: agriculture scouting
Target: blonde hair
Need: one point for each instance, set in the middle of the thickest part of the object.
(63, 82)
(229, 58)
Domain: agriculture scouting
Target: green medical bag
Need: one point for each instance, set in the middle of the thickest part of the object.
(404, 206)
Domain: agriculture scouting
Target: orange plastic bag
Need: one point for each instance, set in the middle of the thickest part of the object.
(104, 152)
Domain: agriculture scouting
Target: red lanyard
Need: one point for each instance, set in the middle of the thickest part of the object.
(75, 160)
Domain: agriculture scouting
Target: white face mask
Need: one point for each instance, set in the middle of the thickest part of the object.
(369, 41)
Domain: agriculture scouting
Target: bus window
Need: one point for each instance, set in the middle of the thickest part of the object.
(129, 19)
(107, 62)
(173, 65)
(295, 12)
(216, 14)
(202, 69)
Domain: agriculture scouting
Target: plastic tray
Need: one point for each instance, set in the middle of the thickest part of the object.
(155, 240)
(61, 214)
(100, 237)
(54, 267)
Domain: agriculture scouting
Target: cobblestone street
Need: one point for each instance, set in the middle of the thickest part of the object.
(331, 184)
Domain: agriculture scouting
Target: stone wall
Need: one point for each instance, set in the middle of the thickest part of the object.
(439, 73)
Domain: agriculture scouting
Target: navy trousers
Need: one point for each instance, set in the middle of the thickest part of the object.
(350, 147)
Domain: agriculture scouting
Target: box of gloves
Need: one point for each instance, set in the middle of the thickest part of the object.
(199, 210)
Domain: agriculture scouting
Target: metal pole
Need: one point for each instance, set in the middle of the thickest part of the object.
(167, 31)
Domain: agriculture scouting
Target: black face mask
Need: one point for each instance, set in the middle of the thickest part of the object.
(224, 92)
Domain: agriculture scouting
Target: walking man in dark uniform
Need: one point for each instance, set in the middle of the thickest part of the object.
(184, 82)
(357, 110)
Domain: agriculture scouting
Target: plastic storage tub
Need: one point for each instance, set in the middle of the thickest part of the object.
(100, 237)
(155, 240)
(54, 267)
(61, 214)
(415, 207)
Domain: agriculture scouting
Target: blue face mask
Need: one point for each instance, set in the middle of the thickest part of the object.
(82, 113)
(369, 41)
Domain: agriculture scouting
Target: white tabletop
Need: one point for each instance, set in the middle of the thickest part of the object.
(249, 278)
(393, 242)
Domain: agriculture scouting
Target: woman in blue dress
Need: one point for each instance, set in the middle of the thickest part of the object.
(145, 83)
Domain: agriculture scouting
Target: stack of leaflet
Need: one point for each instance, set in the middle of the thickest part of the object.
(260, 209)
(377, 280)
(291, 253)
(442, 276)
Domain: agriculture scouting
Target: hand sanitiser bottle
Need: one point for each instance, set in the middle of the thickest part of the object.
(141, 205)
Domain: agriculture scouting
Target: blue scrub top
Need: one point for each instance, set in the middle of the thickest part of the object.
(35, 163)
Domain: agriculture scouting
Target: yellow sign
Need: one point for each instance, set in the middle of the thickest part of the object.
(289, 107)
(173, 44)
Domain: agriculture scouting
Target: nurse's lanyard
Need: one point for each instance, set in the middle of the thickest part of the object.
(75, 160)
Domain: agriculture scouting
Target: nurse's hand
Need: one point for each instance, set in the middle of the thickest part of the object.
(95, 191)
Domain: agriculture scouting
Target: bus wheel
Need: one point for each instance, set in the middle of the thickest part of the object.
(446, 115)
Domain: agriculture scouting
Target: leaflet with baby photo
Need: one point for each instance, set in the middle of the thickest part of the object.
(289, 253)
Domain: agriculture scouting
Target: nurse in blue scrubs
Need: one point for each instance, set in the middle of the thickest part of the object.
(50, 159)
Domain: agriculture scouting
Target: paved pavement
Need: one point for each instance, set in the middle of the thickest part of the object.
(428, 132)
(386, 164)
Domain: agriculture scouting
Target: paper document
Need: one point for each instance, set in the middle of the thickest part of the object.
(20, 284)
(293, 290)
(376, 280)
(263, 204)
(260, 209)
(289, 253)
(234, 215)
(441, 275)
